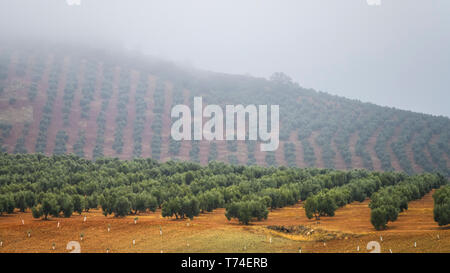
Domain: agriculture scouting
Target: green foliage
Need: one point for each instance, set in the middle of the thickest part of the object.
(245, 211)
(69, 90)
(59, 184)
(195, 151)
(212, 156)
(122, 112)
(20, 145)
(320, 205)
(122, 207)
(88, 88)
(48, 206)
(78, 147)
(78, 203)
(442, 206)
(393, 199)
(270, 158)
(157, 122)
(60, 143)
(67, 207)
(181, 207)
(53, 81)
(106, 93)
(7, 204)
(289, 154)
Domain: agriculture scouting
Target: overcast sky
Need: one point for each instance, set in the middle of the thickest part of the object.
(395, 54)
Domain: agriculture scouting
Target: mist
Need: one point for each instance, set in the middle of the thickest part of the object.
(396, 54)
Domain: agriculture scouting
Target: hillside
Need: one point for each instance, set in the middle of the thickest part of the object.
(97, 104)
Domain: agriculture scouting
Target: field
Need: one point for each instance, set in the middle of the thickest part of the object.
(54, 102)
(212, 232)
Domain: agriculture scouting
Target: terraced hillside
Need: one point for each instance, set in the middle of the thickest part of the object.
(97, 104)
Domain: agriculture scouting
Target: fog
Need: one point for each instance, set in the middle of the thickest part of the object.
(396, 54)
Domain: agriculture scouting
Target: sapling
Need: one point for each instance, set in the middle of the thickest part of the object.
(135, 220)
(107, 250)
(109, 227)
(81, 236)
(299, 250)
(29, 233)
(53, 246)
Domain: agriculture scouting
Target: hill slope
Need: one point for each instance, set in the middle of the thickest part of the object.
(94, 104)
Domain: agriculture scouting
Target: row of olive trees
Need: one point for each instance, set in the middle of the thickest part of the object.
(141, 113)
(442, 206)
(389, 201)
(105, 93)
(122, 111)
(122, 187)
(327, 201)
(47, 114)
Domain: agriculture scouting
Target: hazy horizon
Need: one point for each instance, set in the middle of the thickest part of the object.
(396, 54)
